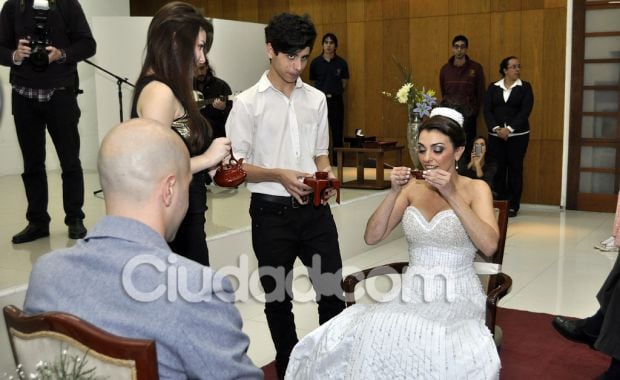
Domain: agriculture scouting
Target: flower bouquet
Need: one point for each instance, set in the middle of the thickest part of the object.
(419, 103)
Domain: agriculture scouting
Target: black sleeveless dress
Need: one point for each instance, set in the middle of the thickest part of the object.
(191, 238)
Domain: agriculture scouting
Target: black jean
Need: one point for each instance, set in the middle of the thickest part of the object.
(280, 234)
(60, 116)
(335, 117)
(509, 156)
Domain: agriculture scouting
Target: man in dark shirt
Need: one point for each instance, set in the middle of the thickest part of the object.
(216, 95)
(42, 43)
(330, 74)
(462, 85)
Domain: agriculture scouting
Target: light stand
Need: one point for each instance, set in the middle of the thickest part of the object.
(119, 83)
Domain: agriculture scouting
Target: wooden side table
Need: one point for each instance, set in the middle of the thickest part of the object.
(361, 155)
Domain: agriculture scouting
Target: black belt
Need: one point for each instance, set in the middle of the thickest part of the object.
(285, 201)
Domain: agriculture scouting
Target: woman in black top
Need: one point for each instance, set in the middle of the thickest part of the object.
(479, 167)
(177, 41)
(507, 107)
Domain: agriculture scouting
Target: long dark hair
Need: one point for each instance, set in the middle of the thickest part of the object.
(170, 56)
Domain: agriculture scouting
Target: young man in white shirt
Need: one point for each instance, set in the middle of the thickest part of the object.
(279, 126)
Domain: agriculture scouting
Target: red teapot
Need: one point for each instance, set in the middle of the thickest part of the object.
(320, 184)
(231, 174)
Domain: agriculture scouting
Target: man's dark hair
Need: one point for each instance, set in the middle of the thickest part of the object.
(332, 36)
(460, 37)
(290, 33)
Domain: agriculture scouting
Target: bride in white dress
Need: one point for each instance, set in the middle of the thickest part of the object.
(432, 327)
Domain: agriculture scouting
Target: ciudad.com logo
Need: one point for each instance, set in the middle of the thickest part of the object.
(149, 278)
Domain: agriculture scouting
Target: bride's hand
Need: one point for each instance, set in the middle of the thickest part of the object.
(399, 177)
(441, 180)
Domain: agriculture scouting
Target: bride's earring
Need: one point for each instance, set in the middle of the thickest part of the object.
(456, 164)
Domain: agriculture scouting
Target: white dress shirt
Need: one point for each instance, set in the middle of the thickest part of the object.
(270, 130)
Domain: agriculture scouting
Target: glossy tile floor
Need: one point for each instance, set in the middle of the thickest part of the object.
(549, 254)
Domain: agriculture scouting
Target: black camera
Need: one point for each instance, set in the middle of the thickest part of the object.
(38, 55)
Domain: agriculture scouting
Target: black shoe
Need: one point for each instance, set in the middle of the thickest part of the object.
(31, 232)
(573, 330)
(512, 213)
(77, 230)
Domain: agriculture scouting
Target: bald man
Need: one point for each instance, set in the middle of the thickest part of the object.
(118, 279)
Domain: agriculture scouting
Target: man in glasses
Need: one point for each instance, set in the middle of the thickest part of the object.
(462, 86)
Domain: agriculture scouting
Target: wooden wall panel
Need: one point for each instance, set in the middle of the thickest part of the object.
(355, 10)
(531, 57)
(355, 96)
(504, 41)
(428, 53)
(393, 9)
(373, 71)
(473, 6)
(419, 34)
(373, 10)
(550, 168)
(313, 8)
(428, 8)
(395, 45)
(555, 4)
(532, 180)
(505, 5)
(532, 4)
(553, 74)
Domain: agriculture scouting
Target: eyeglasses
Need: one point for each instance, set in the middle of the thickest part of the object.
(460, 46)
(514, 66)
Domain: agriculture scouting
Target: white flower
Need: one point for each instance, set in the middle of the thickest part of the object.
(403, 93)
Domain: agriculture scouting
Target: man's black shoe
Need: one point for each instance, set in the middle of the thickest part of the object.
(572, 330)
(77, 230)
(512, 213)
(31, 232)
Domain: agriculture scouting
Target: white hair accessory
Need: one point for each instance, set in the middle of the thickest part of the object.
(450, 113)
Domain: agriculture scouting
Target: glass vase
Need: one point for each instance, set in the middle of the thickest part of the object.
(412, 136)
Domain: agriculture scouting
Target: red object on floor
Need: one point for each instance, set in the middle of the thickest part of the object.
(532, 349)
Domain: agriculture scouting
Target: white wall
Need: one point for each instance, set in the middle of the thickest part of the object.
(237, 55)
(10, 155)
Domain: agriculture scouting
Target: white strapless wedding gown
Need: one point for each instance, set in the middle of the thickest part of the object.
(430, 328)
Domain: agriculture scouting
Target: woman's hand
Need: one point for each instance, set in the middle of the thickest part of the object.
(218, 151)
(440, 180)
(400, 177)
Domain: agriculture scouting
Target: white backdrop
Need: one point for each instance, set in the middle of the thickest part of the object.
(237, 55)
(10, 155)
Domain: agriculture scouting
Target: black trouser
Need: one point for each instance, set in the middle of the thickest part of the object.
(609, 299)
(509, 155)
(280, 234)
(335, 117)
(60, 115)
(191, 238)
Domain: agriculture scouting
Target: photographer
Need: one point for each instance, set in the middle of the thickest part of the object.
(42, 41)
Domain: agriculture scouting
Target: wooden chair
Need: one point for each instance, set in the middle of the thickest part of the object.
(497, 284)
(43, 337)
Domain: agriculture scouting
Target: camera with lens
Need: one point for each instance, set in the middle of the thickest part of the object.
(38, 42)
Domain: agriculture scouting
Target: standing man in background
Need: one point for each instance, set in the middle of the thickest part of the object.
(330, 74)
(42, 41)
(462, 86)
